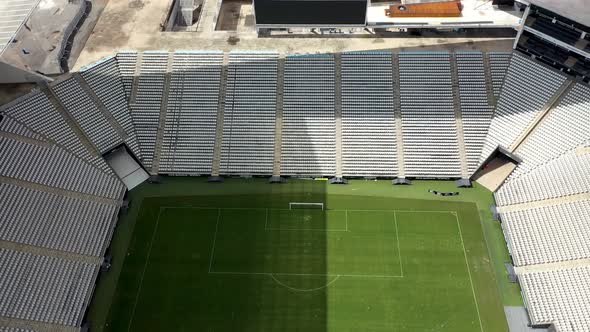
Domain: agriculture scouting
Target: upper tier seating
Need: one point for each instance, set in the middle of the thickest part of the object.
(308, 145)
(191, 116)
(514, 113)
(428, 115)
(560, 297)
(249, 115)
(368, 122)
(563, 129)
(104, 78)
(475, 110)
(42, 288)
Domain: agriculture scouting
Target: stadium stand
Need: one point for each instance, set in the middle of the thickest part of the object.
(559, 296)
(428, 116)
(37, 113)
(368, 122)
(567, 126)
(514, 113)
(145, 106)
(476, 113)
(104, 79)
(564, 176)
(46, 289)
(548, 234)
(309, 146)
(556, 30)
(189, 132)
(55, 221)
(167, 108)
(249, 116)
(499, 62)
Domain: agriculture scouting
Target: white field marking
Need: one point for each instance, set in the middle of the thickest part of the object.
(304, 290)
(147, 260)
(306, 229)
(271, 209)
(214, 239)
(469, 272)
(346, 219)
(306, 274)
(399, 251)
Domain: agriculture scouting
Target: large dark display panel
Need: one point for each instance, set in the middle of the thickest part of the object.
(305, 12)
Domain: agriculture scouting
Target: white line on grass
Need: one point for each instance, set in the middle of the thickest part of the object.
(337, 210)
(469, 272)
(214, 239)
(147, 260)
(303, 290)
(307, 229)
(399, 252)
(306, 274)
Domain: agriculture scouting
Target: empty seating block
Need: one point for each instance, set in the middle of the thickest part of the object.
(249, 115)
(559, 296)
(104, 79)
(499, 62)
(309, 125)
(189, 134)
(54, 221)
(566, 127)
(55, 167)
(476, 113)
(428, 115)
(127, 63)
(527, 88)
(10, 125)
(36, 112)
(548, 234)
(566, 175)
(46, 289)
(87, 115)
(368, 122)
(145, 109)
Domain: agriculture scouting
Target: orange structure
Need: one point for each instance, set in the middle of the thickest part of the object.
(431, 9)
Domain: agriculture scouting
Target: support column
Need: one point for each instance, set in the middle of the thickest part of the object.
(458, 118)
(162, 120)
(563, 90)
(276, 170)
(397, 113)
(338, 116)
(215, 167)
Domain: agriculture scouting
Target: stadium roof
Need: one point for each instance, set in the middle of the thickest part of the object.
(13, 14)
(576, 10)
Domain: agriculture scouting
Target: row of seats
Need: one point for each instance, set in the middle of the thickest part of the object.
(369, 146)
(191, 115)
(548, 234)
(565, 176)
(428, 115)
(249, 115)
(55, 221)
(499, 62)
(309, 128)
(104, 78)
(528, 87)
(563, 129)
(53, 166)
(560, 297)
(43, 288)
(476, 112)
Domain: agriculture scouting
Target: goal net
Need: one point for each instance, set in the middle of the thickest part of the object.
(305, 205)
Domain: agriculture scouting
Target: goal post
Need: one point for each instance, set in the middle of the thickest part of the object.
(305, 205)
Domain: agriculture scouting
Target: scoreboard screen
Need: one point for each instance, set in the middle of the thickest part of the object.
(310, 12)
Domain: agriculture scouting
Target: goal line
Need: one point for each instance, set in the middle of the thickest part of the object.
(305, 205)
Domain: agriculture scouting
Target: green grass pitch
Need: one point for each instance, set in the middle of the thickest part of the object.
(246, 262)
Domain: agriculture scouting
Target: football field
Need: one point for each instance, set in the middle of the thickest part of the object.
(255, 263)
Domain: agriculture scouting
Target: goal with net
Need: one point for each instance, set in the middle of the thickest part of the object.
(305, 206)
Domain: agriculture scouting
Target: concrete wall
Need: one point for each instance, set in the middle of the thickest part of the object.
(12, 74)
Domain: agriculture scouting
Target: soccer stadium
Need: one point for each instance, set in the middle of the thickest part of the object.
(237, 189)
